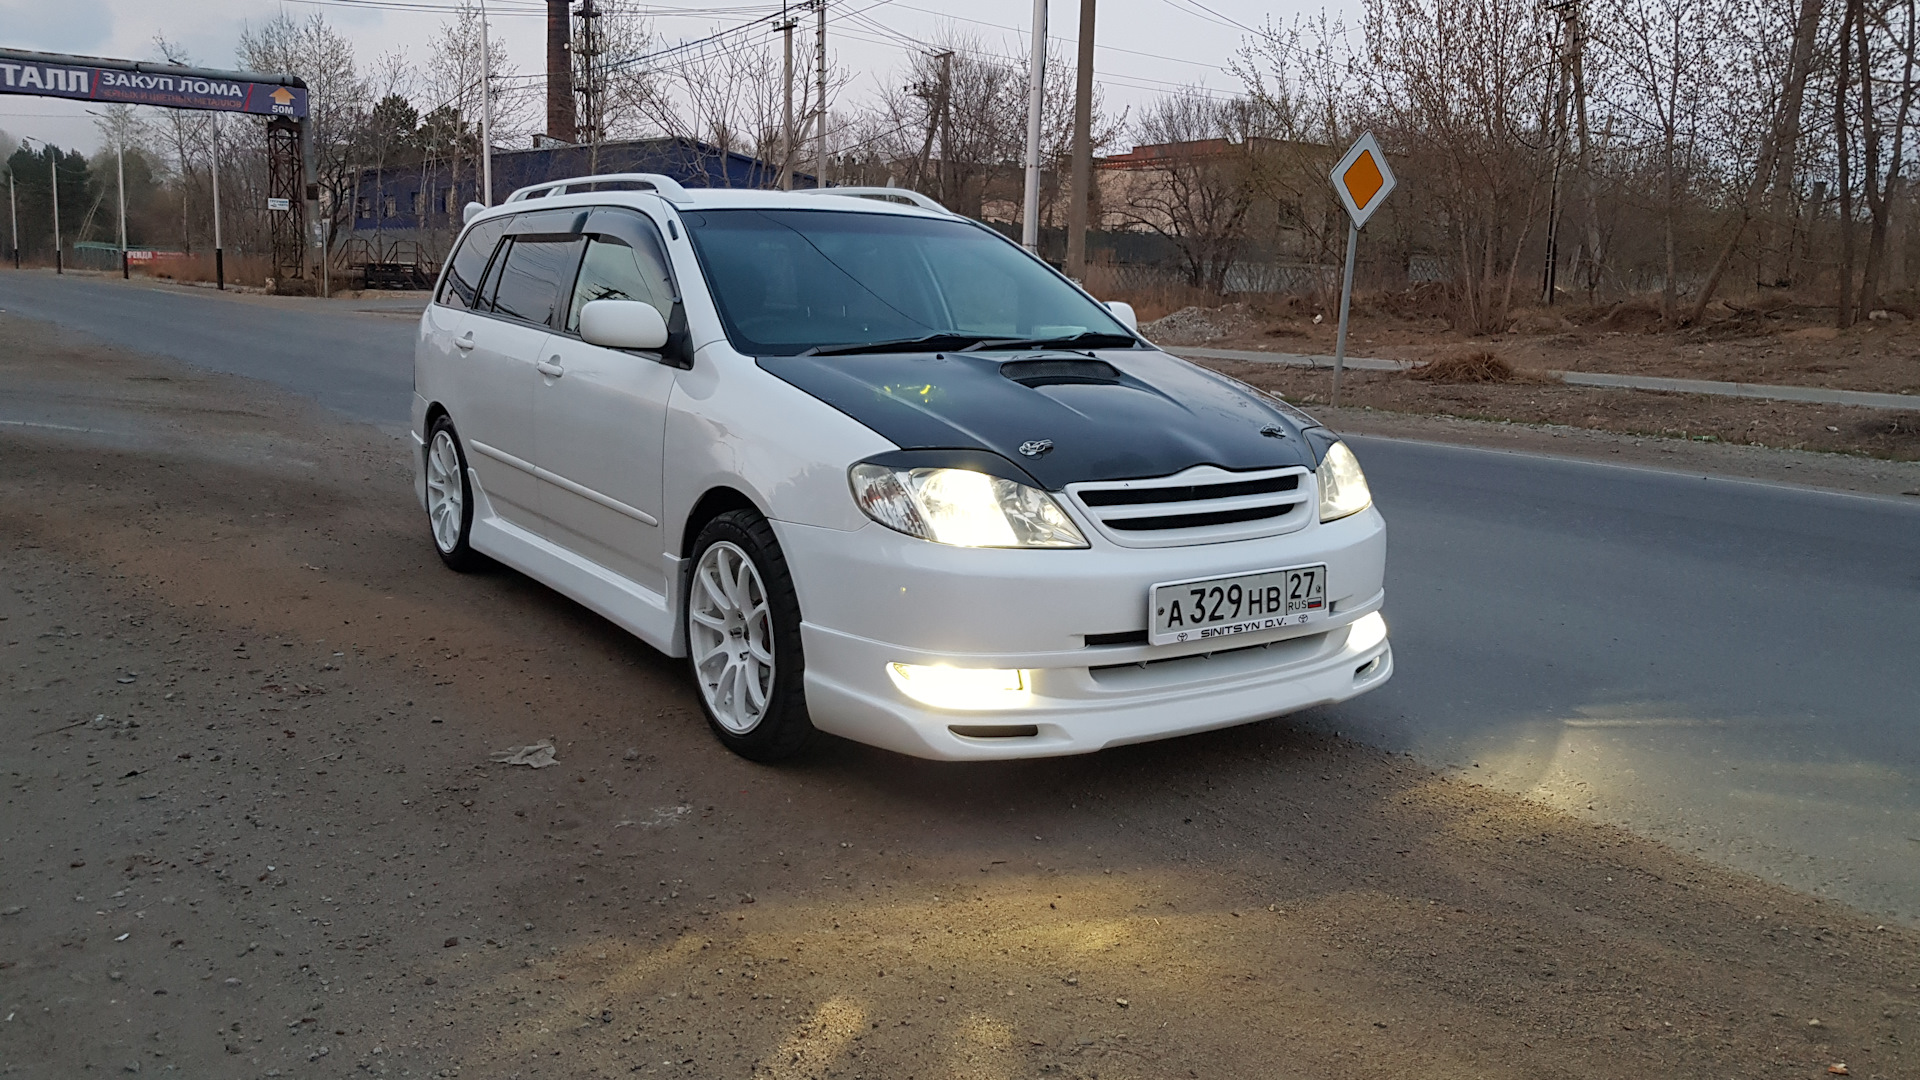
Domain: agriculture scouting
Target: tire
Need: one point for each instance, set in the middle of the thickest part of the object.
(745, 656)
(450, 499)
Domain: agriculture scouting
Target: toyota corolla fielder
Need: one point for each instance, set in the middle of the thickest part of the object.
(875, 470)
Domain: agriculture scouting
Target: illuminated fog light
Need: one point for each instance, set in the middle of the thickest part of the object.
(945, 687)
(1366, 632)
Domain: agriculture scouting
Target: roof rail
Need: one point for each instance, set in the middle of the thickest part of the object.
(666, 186)
(883, 194)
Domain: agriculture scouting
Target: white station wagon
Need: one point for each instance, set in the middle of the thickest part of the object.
(875, 470)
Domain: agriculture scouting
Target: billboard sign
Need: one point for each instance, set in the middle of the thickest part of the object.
(171, 87)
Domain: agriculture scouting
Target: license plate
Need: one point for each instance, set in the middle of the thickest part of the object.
(1237, 604)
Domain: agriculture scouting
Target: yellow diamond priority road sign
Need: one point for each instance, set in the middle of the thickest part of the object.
(1363, 179)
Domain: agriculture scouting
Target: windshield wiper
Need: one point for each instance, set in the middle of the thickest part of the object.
(1092, 339)
(918, 344)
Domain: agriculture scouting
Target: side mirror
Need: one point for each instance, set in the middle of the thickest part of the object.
(622, 324)
(470, 211)
(1124, 312)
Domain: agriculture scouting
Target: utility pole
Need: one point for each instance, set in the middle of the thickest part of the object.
(219, 251)
(13, 215)
(936, 98)
(1568, 29)
(486, 111)
(820, 94)
(1036, 99)
(1586, 155)
(786, 129)
(1082, 195)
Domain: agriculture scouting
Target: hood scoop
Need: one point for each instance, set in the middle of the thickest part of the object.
(1062, 371)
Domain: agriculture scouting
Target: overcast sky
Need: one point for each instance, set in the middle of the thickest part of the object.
(1147, 46)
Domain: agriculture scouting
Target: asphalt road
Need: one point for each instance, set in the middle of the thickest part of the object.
(1723, 665)
(355, 358)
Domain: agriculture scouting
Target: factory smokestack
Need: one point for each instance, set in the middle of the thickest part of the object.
(560, 107)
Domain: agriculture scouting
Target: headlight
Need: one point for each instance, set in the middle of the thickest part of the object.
(1343, 487)
(962, 507)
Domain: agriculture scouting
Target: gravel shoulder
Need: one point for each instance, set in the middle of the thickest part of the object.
(252, 828)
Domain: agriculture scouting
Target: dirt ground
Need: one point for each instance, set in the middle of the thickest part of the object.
(252, 829)
(1843, 429)
(1776, 341)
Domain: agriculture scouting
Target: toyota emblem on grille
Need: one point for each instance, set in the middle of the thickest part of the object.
(1036, 447)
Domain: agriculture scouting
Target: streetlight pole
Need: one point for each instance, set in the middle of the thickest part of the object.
(1036, 98)
(120, 171)
(13, 214)
(219, 252)
(53, 169)
(486, 111)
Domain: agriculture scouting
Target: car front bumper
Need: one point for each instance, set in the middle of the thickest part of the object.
(873, 598)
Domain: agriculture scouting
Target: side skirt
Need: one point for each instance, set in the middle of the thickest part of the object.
(641, 612)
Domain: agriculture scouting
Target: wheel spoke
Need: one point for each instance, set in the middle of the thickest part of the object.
(756, 694)
(716, 592)
(728, 691)
(711, 622)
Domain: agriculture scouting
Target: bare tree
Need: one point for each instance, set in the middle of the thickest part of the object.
(1198, 188)
(1883, 125)
(1300, 77)
(729, 93)
(1462, 88)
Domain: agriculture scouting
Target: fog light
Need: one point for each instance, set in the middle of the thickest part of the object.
(1366, 632)
(945, 687)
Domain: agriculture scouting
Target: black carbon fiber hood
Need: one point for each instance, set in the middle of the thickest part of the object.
(1130, 413)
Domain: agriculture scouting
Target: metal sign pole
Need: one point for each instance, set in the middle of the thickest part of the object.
(1362, 179)
(1346, 302)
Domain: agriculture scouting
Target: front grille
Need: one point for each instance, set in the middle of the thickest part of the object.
(1203, 505)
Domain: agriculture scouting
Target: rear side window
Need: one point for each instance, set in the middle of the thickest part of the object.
(538, 270)
(470, 261)
(613, 270)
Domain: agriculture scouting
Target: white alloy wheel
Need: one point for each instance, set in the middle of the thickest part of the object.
(730, 632)
(446, 491)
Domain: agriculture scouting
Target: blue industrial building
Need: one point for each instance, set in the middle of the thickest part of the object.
(410, 212)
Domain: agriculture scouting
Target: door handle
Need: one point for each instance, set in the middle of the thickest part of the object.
(548, 367)
(464, 341)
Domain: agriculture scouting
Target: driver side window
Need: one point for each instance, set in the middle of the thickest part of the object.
(615, 270)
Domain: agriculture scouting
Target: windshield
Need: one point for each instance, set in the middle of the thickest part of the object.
(790, 281)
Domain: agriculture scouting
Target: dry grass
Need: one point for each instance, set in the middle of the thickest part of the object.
(1149, 302)
(1479, 366)
(241, 269)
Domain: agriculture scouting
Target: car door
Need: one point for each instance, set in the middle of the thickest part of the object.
(521, 296)
(601, 413)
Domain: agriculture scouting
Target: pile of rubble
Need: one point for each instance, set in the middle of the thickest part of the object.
(1198, 325)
